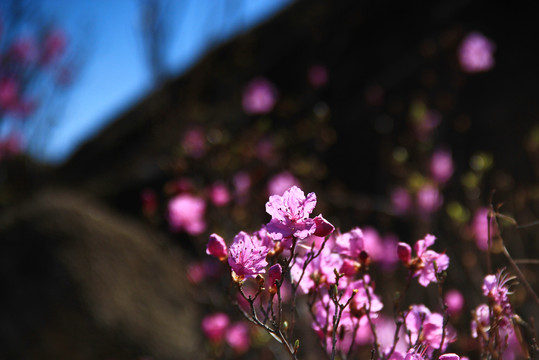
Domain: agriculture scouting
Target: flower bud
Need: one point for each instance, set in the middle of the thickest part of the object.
(216, 247)
(404, 252)
(275, 273)
(323, 227)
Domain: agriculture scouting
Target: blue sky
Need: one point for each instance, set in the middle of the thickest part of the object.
(114, 74)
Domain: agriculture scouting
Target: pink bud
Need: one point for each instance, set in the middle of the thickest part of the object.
(404, 252)
(275, 273)
(216, 247)
(323, 227)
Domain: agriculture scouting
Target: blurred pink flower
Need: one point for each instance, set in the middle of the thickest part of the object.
(429, 198)
(350, 243)
(259, 96)
(281, 182)
(380, 249)
(186, 212)
(318, 75)
(24, 50)
(242, 183)
(9, 89)
(219, 194)
(237, 336)
(421, 323)
(401, 200)
(454, 301)
(476, 53)
(441, 166)
(54, 46)
(214, 326)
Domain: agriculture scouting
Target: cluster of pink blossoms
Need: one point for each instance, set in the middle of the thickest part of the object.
(296, 254)
(492, 323)
(217, 328)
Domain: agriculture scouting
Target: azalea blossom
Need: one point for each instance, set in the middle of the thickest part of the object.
(290, 214)
(427, 263)
(247, 256)
(186, 212)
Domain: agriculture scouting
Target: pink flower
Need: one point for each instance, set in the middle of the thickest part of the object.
(496, 288)
(216, 247)
(421, 323)
(319, 271)
(214, 326)
(219, 194)
(427, 263)
(401, 201)
(186, 212)
(259, 97)
(429, 199)
(476, 53)
(365, 299)
(380, 248)
(290, 214)
(281, 182)
(318, 76)
(481, 320)
(237, 336)
(454, 301)
(441, 166)
(247, 256)
(350, 243)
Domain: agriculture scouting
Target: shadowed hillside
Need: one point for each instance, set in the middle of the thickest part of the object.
(86, 263)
